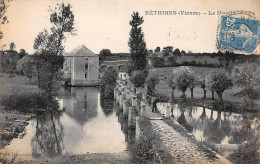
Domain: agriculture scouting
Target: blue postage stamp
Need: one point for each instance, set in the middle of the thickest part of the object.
(238, 34)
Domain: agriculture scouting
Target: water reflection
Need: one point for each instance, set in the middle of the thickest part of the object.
(83, 125)
(216, 127)
(48, 139)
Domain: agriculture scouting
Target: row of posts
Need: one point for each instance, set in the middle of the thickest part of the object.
(126, 96)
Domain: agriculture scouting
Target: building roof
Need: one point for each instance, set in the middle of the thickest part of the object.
(81, 51)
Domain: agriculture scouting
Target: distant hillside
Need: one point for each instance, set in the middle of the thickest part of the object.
(117, 56)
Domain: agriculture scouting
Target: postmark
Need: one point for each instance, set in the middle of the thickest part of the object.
(239, 32)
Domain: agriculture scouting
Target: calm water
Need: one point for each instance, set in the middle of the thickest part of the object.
(86, 125)
(225, 130)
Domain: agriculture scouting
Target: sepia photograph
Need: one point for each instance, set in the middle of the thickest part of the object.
(130, 82)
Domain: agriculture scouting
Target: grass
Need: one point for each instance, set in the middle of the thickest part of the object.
(228, 96)
(17, 93)
(164, 90)
(16, 85)
(150, 144)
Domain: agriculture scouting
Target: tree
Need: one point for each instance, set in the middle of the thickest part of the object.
(22, 53)
(246, 76)
(49, 45)
(192, 82)
(107, 84)
(12, 46)
(4, 4)
(209, 85)
(182, 82)
(104, 53)
(138, 78)
(62, 19)
(177, 52)
(136, 43)
(202, 84)
(171, 81)
(157, 49)
(183, 52)
(27, 66)
(220, 82)
(167, 50)
(152, 80)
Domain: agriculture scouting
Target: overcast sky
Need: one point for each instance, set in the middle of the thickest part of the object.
(105, 24)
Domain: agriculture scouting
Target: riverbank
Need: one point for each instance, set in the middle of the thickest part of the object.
(12, 122)
(90, 158)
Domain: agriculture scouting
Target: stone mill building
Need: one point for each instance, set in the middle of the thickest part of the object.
(81, 66)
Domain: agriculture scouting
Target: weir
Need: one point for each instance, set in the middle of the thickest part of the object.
(135, 103)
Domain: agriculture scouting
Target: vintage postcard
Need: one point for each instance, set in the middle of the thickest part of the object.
(129, 82)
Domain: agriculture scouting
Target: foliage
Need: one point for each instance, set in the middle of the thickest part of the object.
(151, 80)
(157, 61)
(104, 53)
(220, 82)
(171, 81)
(246, 76)
(247, 152)
(107, 84)
(27, 66)
(8, 61)
(184, 79)
(177, 52)
(137, 44)
(157, 49)
(29, 102)
(49, 46)
(138, 77)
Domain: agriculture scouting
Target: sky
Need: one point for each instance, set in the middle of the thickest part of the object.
(105, 23)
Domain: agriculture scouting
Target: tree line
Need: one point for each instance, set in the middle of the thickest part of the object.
(47, 61)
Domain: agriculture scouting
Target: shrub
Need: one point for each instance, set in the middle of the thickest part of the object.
(29, 102)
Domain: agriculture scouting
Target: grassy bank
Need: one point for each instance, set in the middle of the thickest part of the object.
(12, 122)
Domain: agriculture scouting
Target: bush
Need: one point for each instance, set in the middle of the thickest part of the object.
(29, 102)
(247, 153)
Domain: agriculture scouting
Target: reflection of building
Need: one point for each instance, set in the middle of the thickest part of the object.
(82, 65)
(82, 105)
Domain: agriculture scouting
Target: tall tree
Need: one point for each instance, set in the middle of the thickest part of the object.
(49, 46)
(137, 44)
(62, 19)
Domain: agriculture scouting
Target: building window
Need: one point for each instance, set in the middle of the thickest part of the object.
(124, 75)
(86, 64)
(86, 75)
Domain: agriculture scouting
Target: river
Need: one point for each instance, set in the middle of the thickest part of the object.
(85, 124)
